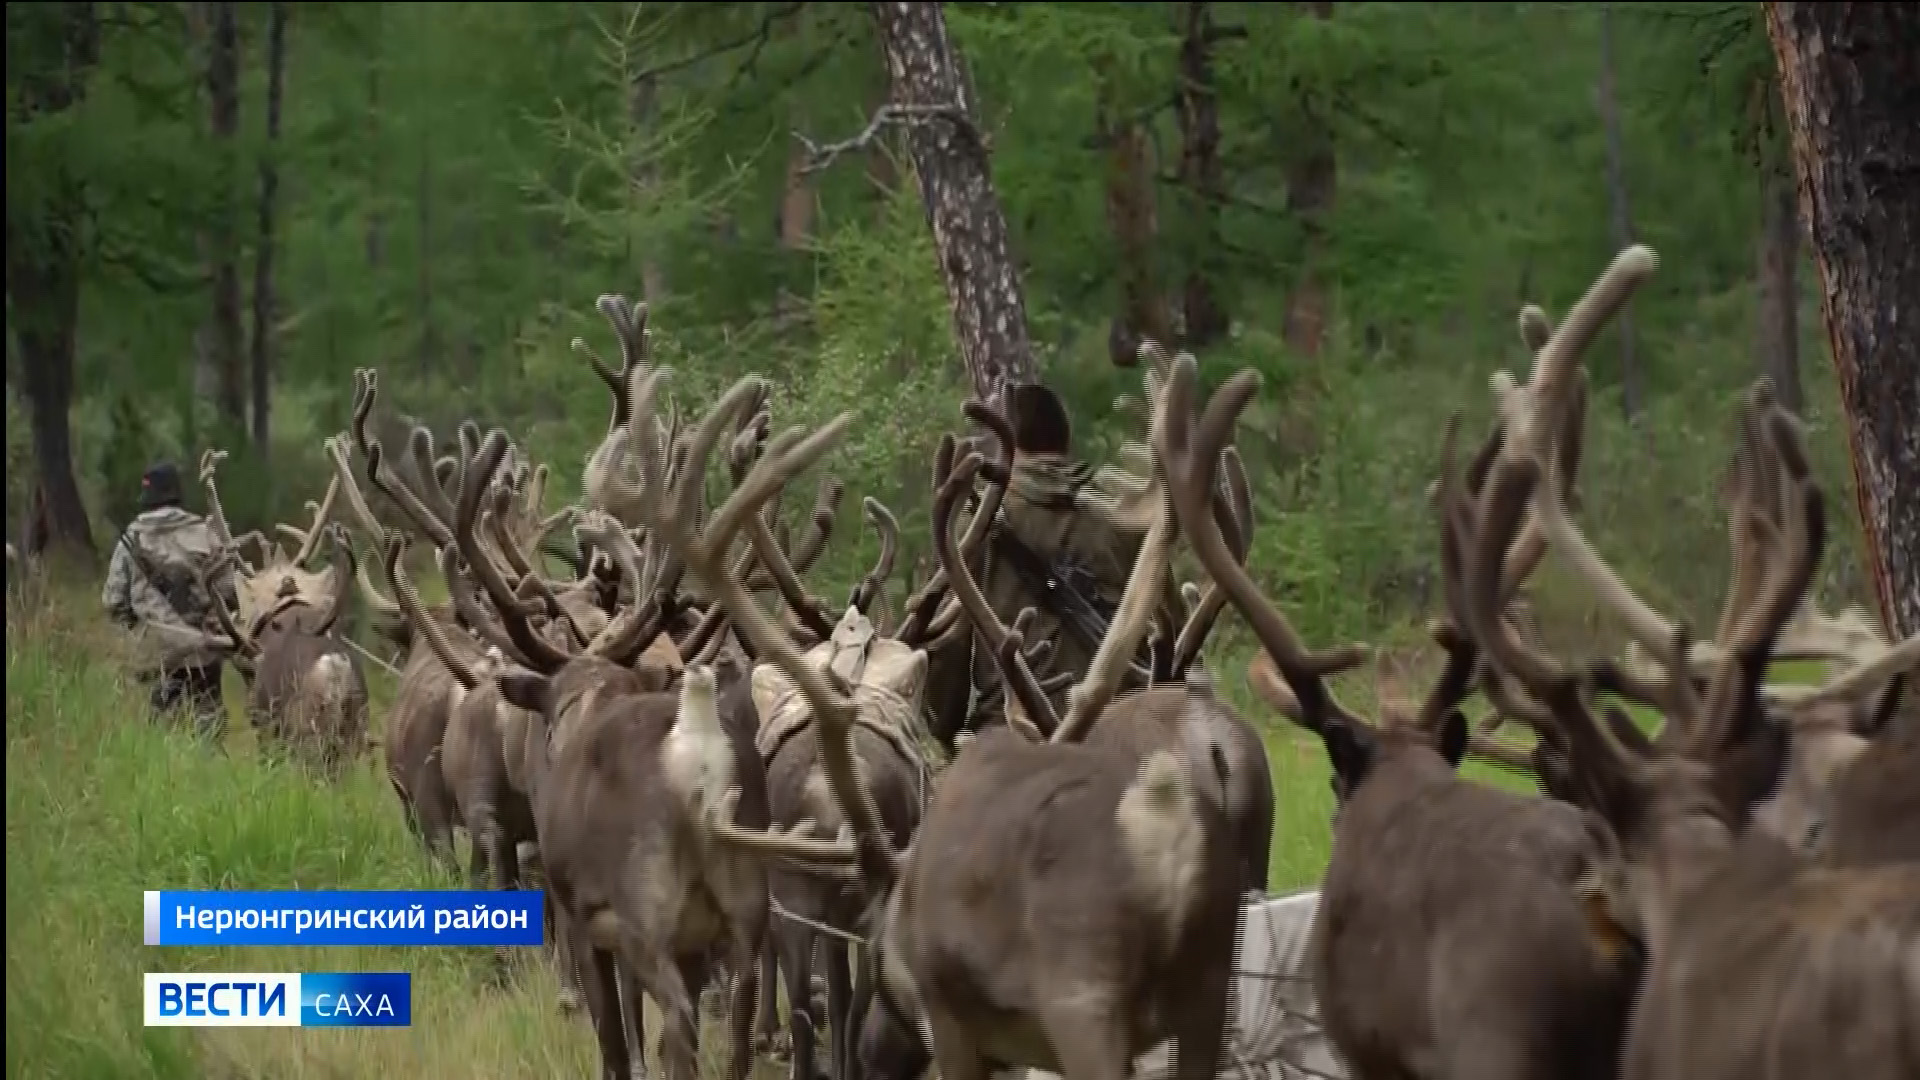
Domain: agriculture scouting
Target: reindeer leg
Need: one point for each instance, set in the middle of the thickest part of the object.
(633, 997)
(768, 1039)
(603, 1003)
(748, 952)
(435, 807)
(1200, 1023)
(857, 1013)
(567, 969)
(795, 944)
(664, 981)
(506, 875)
(957, 1056)
(839, 1005)
(1087, 1037)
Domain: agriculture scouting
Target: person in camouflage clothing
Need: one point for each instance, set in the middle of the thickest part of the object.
(1051, 523)
(154, 589)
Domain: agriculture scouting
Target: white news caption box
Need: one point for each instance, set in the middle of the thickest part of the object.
(224, 993)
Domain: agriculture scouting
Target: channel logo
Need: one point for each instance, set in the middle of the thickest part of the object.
(279, 999)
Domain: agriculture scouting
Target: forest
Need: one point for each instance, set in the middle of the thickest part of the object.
(251, 200)
(218, 212)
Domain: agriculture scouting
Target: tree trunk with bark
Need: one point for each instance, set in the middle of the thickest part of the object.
(263, 298)
(928, 90)
(376, 215)
(225, 339)
(1133, 220)
(43, 292)
(1622, 214)
(423, 265)
(1847, 80)
(1778, 252)
(1201, 173)
(1312, 179)
(644, 177)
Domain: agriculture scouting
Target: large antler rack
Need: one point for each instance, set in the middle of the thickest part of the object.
(1767, 482)
(431, 522)
(217, 519)
(704, 548)
(1704, 721)
(1232, 511)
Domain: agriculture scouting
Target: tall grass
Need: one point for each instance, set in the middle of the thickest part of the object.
(103, 804)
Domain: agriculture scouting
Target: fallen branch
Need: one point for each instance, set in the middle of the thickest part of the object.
(819, 157)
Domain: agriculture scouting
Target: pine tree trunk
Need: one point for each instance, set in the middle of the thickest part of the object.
(1778, 309)
(1312, 180)
(429, 349)
(43, 293)
(263, 299)
(1133, 220)
(1621, 217)
(43, 281)
(223, 236)
(1847, 78)
(956, 184)
(1201, 173)
(376, 214)
(644, 177)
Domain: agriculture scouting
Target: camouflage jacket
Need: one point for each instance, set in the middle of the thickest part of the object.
(153, 588)
(1042, 511)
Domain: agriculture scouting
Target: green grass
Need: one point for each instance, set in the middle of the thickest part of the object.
(102, 805)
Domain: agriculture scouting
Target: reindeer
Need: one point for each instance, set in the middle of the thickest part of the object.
(1062, 906)
(1826, 726)
(624, 790)
(1409, 983)
(885, 678)
(1143, 722)
(432, 783)
(1761, 961)
(305, 690)
(1874, 804)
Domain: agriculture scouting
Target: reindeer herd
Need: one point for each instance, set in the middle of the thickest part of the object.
(719, 791)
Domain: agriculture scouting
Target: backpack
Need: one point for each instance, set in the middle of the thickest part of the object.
(173, 557)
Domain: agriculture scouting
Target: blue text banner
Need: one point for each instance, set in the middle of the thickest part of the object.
(425, 917)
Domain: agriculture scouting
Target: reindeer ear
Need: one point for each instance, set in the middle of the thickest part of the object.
(1351, 748)
(526, 689)
(1453, 737)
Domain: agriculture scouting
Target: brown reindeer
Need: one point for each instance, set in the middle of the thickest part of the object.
(624, 791)
(1063, 906)
(1144, 722)
(1408, 978)
(885, 678)
(1762, 962)
(305, 690)
(418, 764)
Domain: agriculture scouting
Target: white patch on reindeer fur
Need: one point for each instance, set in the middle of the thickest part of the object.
(698, 756)
(1161, 831)
(330, 680)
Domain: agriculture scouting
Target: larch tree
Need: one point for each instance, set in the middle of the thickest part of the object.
(1848, 78)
